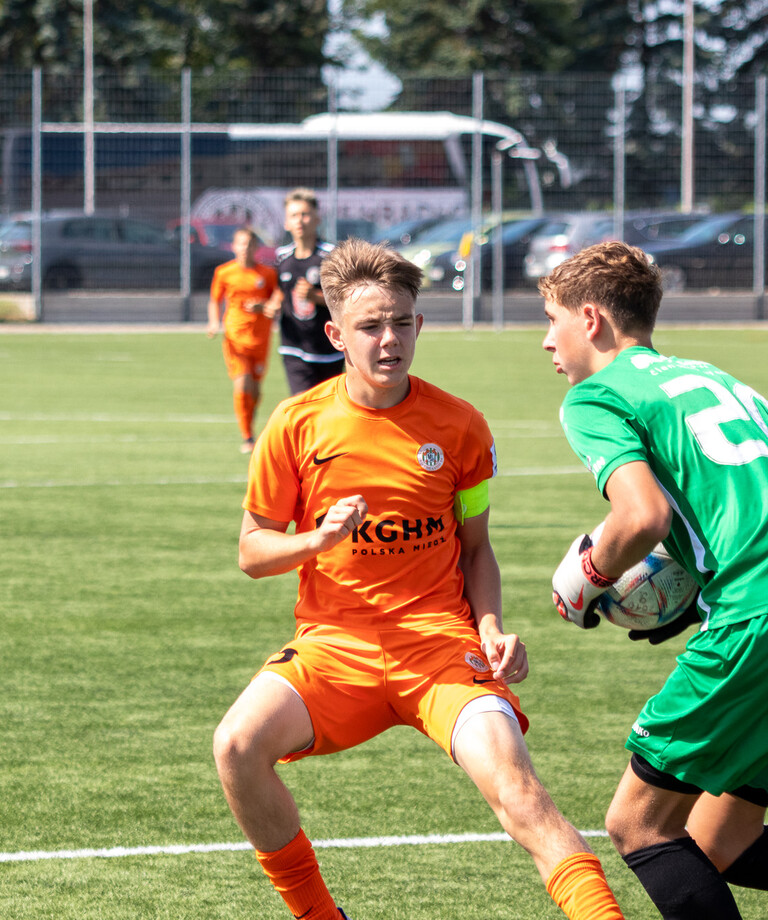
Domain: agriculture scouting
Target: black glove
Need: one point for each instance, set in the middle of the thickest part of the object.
(655, 636)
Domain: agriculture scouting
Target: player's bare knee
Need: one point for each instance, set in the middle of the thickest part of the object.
(234, 749)
(617, 826)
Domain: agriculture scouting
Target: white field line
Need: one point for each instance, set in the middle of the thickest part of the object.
(117, 418)
(182, 849)
(122, 483)
(228, 480)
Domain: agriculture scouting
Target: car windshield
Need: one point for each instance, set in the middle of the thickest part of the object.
(220, 233)
(446, 232)
(707, 231)
(18, 230)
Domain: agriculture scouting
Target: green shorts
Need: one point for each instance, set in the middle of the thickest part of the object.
(708, 725)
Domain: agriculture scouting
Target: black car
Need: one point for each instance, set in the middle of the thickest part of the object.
(447, 270)
(100, 250)
(716, 253)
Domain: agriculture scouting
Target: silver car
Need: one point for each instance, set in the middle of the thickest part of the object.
(100, 250)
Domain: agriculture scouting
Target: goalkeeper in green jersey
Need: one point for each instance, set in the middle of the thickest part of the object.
(680, 450)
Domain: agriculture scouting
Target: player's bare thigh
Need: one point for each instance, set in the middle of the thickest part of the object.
(268, 720)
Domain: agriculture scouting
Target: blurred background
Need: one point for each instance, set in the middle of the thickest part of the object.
(488, 144)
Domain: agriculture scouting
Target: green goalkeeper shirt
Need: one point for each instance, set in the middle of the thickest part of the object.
(704, 435)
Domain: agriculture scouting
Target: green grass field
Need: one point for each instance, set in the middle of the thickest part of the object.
(128, 629)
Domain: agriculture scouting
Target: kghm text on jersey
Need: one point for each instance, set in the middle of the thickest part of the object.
(419, 535)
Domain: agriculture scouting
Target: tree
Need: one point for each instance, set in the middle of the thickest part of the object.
(438, 37)
(166, 34)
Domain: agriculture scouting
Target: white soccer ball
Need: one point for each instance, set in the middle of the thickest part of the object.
(652, 593)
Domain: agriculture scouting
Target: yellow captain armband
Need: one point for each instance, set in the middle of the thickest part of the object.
(471, 502)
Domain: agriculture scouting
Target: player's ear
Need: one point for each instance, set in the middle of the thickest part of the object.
(593, 320)
(334, 335)
(419, 323)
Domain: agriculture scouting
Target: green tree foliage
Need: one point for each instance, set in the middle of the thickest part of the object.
(157, 34)
(442, 37)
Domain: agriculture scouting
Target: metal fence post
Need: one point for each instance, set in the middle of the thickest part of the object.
(185, 262)
(332, 216)
(619, 159)
(497, 297)
(758, 267)
(37, 192)
(472, 286)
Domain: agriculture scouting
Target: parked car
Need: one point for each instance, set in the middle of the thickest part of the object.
(407, 231)
(442, 237)
(559, 239)
(644, 229)
(358, 227)
(715, 253)
(569, 234)
(101, 250)
(447, 270)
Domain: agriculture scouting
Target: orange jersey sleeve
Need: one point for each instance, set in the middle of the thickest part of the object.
(401, 565)
(239, 286)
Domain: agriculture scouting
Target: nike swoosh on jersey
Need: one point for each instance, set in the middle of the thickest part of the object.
(299, 916)
(477, 680)
(318, 461)
(577, 604)
(288, 653)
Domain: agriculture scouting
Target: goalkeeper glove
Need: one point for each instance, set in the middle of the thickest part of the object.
(689, 617)
(576, 585)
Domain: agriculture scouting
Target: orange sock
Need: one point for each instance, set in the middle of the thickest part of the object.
(244, 405)
(296, 875)
(578, 887)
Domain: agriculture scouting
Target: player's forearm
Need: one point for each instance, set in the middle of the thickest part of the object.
(214, 313)
(267, 552)
(482, 589)
(640, 517)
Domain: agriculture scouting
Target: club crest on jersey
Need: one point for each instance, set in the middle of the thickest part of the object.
(476, 662)
(430, 457)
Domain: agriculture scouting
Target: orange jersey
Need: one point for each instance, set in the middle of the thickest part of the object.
(239, 286)
(400, 566)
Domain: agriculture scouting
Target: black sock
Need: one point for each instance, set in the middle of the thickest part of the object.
(750, 870)
(682, 882)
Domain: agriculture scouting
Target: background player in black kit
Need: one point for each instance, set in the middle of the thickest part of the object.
(308, 356)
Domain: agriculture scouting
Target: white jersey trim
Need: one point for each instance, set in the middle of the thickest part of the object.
(310, 358)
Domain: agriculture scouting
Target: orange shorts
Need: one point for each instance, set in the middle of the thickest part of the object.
(357, 683)
(244, 362)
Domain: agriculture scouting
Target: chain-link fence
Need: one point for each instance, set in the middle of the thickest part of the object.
(130, 190)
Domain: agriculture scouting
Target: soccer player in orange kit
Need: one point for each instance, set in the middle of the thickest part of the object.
(399, 606)
(249, 295)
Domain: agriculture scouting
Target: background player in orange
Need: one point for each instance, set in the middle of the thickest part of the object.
(399, 607)
(248, 294)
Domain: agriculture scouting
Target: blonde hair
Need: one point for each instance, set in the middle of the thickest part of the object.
(302, 194)
(613, 275)
(356, 263)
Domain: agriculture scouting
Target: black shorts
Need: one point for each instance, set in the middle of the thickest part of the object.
(649, 774)
(302, 375)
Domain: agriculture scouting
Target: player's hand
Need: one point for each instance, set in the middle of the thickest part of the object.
(507, 657)
(272, 308)
(340, 520)
(303, 289)
(688, 618)
(253, 306)
(212, 330)
(576, 585)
